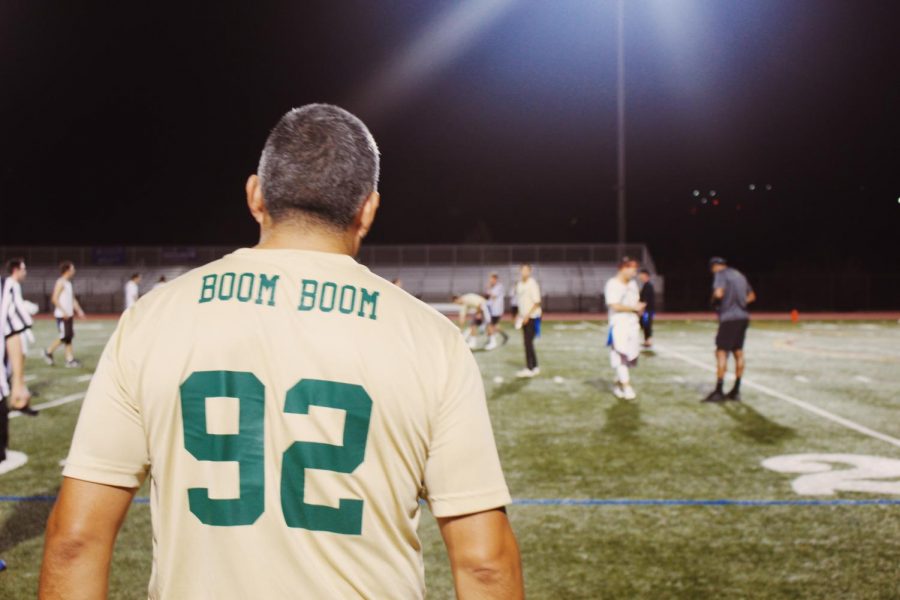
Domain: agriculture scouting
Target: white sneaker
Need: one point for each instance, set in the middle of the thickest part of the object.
(525, 373)
(628, 393)
(536, 370)
(618, 392)
(491, 344)
(473, 343)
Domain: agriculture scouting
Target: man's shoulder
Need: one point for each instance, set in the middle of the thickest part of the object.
(732, 274)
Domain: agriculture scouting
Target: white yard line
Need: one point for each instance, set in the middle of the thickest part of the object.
(83, 378)
(51, 404)
(795, 401)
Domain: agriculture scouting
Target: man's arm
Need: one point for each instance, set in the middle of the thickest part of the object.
(77, 306)
(751, 297)
(81, 533)
(19, 395)
(484, 556)
(637, 308)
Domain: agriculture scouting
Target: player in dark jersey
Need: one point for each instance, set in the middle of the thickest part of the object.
(648, 297)
(731, 296)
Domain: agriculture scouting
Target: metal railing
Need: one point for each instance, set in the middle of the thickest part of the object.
(103, 270)
(409, 254)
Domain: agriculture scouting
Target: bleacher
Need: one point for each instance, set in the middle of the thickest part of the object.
(572, 276)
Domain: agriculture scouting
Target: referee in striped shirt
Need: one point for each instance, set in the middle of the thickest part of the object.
(17, 334)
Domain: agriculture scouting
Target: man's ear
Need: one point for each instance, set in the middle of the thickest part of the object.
(255, 201)
(366, 215)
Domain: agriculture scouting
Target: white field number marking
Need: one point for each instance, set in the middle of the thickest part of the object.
(823, 475)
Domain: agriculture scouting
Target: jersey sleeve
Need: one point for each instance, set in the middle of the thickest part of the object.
(110, 446)
(719, 280)
(462, 472)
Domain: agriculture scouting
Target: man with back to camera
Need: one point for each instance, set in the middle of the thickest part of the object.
(648, 297)
(731, 296)
(132, 290)
(341, 399)
(65, 308)
(625, 307)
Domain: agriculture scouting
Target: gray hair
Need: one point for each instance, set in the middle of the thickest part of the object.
(320, 162)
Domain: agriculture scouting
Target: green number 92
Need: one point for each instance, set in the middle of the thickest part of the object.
(247, 448)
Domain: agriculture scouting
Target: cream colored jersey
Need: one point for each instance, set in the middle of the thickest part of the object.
(472, 303)
(528, 294)
(624, 293)
(290, 408)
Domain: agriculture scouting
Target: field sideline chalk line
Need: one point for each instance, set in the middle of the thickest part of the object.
(791, 400)
(58, 402)
(610, 501)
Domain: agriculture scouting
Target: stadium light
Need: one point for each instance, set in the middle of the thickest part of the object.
(448, 36)
(620, 124)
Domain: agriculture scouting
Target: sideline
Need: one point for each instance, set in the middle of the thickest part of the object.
(51, 404)
(791, 400)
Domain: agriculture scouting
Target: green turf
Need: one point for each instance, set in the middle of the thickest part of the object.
(572, 439)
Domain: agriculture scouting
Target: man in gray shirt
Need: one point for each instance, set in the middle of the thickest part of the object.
(731, 296)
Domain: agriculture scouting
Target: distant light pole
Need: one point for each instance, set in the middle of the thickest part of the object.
(620, 88)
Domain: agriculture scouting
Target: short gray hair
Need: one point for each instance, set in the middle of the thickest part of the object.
(320, 162)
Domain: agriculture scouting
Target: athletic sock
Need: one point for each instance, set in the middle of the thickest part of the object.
(719, 385)
(737, 385)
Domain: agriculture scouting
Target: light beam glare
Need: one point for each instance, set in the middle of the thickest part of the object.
(439, 43)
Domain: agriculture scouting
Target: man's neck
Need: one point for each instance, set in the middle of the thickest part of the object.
(288, 237)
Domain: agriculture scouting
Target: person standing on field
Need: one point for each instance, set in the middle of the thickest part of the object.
(495, 295)
(648, 297)
(625, 307)
(731, 296)
(66, 307)
(340, 400)
(528, 300)
(17, 323)
(132, 290)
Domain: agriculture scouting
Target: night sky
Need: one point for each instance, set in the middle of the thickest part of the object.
(138, 124)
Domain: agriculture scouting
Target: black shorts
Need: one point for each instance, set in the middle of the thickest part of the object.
(731, 334)
(495, 320)
(66, 329)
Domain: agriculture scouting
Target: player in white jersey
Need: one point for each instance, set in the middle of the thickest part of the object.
(132, 290)
(65, 308)
(291, 408)
(495, 298)
(624, 339)
(160, 282)
(16, 323)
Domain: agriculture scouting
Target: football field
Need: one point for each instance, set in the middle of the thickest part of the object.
(792, 493)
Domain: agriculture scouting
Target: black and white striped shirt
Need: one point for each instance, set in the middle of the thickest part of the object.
(17, 318)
